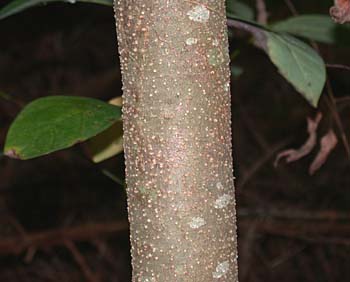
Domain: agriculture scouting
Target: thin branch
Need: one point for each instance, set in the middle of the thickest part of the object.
(330, 100)
(291, 7)
(81, 261)
(313, 232)
(260, 163)
(312, 226)
(58, 237)
(325, 227)
(114, 177)
(296, 214)
(261, 12)
(338, 66)
(260, 40)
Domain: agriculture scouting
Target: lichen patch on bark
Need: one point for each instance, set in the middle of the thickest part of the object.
(191, 41)
(196, 222)
(199, 13)
(222, 201)
(221, 269)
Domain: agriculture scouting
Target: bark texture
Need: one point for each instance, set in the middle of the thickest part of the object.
(176, 114)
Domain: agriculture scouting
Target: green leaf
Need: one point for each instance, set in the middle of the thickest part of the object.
(237, 8)
(315, 27)
(17, 6)
(299, 64)
(296, 61)
(109, 143)
(53, 123)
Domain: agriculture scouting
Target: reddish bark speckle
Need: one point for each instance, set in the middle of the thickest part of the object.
(177, 136)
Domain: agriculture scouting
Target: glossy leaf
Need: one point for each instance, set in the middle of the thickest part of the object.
(57, 122)
(315, 27)
(17, 6)
(109, 143)
(298, 63)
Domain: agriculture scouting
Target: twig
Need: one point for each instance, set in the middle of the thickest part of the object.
(330, 100)
(105, 252)
(320, 227)
(316, 227)
(338, 66)
(285, 257)
(246, 251)
(261, 12)
(113, 177)
(260, 40)
(80, 260)
(291, 7)
(314, 232)
(31, 251)
(259, 164)
(295, 214)
(58, 237)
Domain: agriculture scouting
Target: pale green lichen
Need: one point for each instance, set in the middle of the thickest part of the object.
(215, 42)
(222, 201)
(219, 186)
(149, 192)
(215, 57)
(221, 269)
(199, 14)
(191, 41)
(196, 222)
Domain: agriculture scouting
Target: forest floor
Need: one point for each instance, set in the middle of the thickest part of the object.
(63, 219)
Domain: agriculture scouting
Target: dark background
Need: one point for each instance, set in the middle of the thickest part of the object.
(292, 226)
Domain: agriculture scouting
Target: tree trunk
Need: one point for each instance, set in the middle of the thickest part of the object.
(176, 114)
